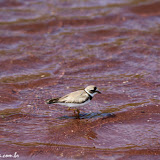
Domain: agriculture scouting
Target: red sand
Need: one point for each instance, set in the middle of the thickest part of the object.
(49, 49)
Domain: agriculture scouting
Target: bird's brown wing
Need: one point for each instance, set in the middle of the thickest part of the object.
(74, 97)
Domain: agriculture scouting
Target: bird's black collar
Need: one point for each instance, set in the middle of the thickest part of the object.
(90, 97)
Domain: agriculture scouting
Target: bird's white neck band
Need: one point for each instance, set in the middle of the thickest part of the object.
(88, 93)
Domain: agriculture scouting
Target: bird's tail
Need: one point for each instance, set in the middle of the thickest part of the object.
(50, 101)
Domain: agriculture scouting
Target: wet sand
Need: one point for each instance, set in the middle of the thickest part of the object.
(48, 49)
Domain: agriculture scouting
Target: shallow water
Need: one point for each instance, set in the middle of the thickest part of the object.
(48, 49)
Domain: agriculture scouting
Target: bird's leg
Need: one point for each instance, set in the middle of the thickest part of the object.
(70, 108)
(78, 113)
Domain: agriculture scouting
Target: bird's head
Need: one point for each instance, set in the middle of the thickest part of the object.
(92, 90)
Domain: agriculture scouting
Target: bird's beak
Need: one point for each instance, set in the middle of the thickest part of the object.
(98, 91)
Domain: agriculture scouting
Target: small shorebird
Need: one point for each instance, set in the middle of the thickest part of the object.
(77, 98)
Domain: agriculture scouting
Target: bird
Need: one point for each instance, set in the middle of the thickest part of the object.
(76, 98)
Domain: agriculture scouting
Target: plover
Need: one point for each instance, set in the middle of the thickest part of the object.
(77, 98)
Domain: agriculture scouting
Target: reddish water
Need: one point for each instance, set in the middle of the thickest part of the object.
(50, 48)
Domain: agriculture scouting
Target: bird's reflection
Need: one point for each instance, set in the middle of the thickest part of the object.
(88, 116)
